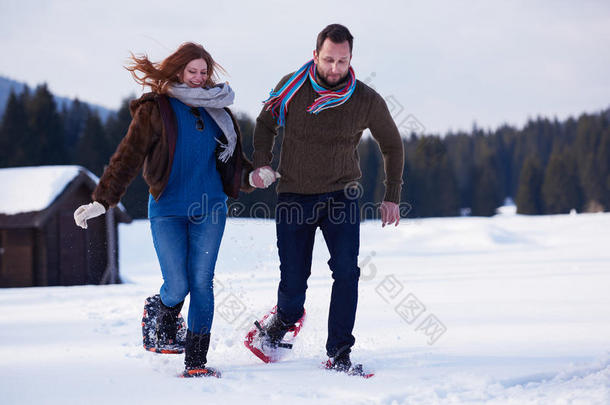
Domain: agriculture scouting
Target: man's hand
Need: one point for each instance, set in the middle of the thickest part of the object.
(390, 213)
(263, 177)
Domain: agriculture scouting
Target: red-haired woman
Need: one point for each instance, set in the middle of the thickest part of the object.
(188, 145)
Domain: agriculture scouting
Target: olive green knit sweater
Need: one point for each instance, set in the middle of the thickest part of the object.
(319, 152)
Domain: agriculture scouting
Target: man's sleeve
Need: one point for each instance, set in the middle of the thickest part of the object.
(386, 134)
(265, 132)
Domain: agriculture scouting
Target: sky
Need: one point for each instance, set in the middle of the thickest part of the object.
(440, 65)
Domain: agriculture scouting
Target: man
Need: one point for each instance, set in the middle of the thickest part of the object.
(323, 110)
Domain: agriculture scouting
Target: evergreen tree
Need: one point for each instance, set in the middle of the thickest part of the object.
(92, 146)
(45, 136)
(529, 195)
(409, 192)
(561, 189)
(459, 148)
(586, 147)
(14, 132)
(117, 125)
(435, 189)
(371, 167)
(486, 191)
(74, 118)
(246, 127)
(603, 164)
(505, 141)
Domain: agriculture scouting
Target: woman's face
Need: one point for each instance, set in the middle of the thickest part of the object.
(195, 73)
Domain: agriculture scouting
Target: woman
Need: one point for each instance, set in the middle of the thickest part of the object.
(192, 160)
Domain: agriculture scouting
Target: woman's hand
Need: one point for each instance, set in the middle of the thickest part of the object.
(263, 177)
(88, 211)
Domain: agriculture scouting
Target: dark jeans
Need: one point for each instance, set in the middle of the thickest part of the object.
(187, 249)
(297, 218)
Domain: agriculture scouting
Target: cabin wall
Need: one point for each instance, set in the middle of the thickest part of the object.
(16, 258)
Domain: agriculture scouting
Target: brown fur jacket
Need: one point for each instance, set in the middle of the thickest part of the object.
(150, 144)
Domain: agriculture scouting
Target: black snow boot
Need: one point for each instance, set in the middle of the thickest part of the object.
(274, 331)
(196, 351)
(167, 324)
(341, 362)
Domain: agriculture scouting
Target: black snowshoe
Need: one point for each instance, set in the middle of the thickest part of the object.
(163, 328)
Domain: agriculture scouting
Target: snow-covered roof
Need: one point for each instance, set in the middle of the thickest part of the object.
(27, 189)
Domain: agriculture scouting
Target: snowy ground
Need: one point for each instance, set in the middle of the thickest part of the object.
(502, 310)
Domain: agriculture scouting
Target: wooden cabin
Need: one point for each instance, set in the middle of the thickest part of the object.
(40, 244)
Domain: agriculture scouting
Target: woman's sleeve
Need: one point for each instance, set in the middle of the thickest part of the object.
(128, 158)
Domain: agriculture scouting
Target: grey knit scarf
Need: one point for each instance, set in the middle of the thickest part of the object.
(213, 99)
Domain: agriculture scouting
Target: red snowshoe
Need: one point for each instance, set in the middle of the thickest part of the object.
(271, 339)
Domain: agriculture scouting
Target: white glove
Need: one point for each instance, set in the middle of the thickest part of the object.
(88, 211)
(263, 177)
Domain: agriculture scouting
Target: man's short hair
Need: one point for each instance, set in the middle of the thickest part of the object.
(336, 33)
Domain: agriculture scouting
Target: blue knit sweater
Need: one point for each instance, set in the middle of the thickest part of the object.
(194, 187)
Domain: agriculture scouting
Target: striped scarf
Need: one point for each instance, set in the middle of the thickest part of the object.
(278, 101)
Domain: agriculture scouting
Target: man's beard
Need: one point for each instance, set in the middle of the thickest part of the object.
(324, 83)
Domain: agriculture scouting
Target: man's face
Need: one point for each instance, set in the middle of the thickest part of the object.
(333, 61)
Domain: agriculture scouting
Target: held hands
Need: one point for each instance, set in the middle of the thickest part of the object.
(390, 213)
(88, 211)
(263, 177)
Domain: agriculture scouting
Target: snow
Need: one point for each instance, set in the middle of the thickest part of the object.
(521, 305)
(26, 189)
(509, 207)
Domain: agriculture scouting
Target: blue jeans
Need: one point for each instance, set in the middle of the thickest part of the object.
(187, 249)
(297, 218)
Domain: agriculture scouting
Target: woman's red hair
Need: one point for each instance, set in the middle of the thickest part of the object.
(159, 75)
